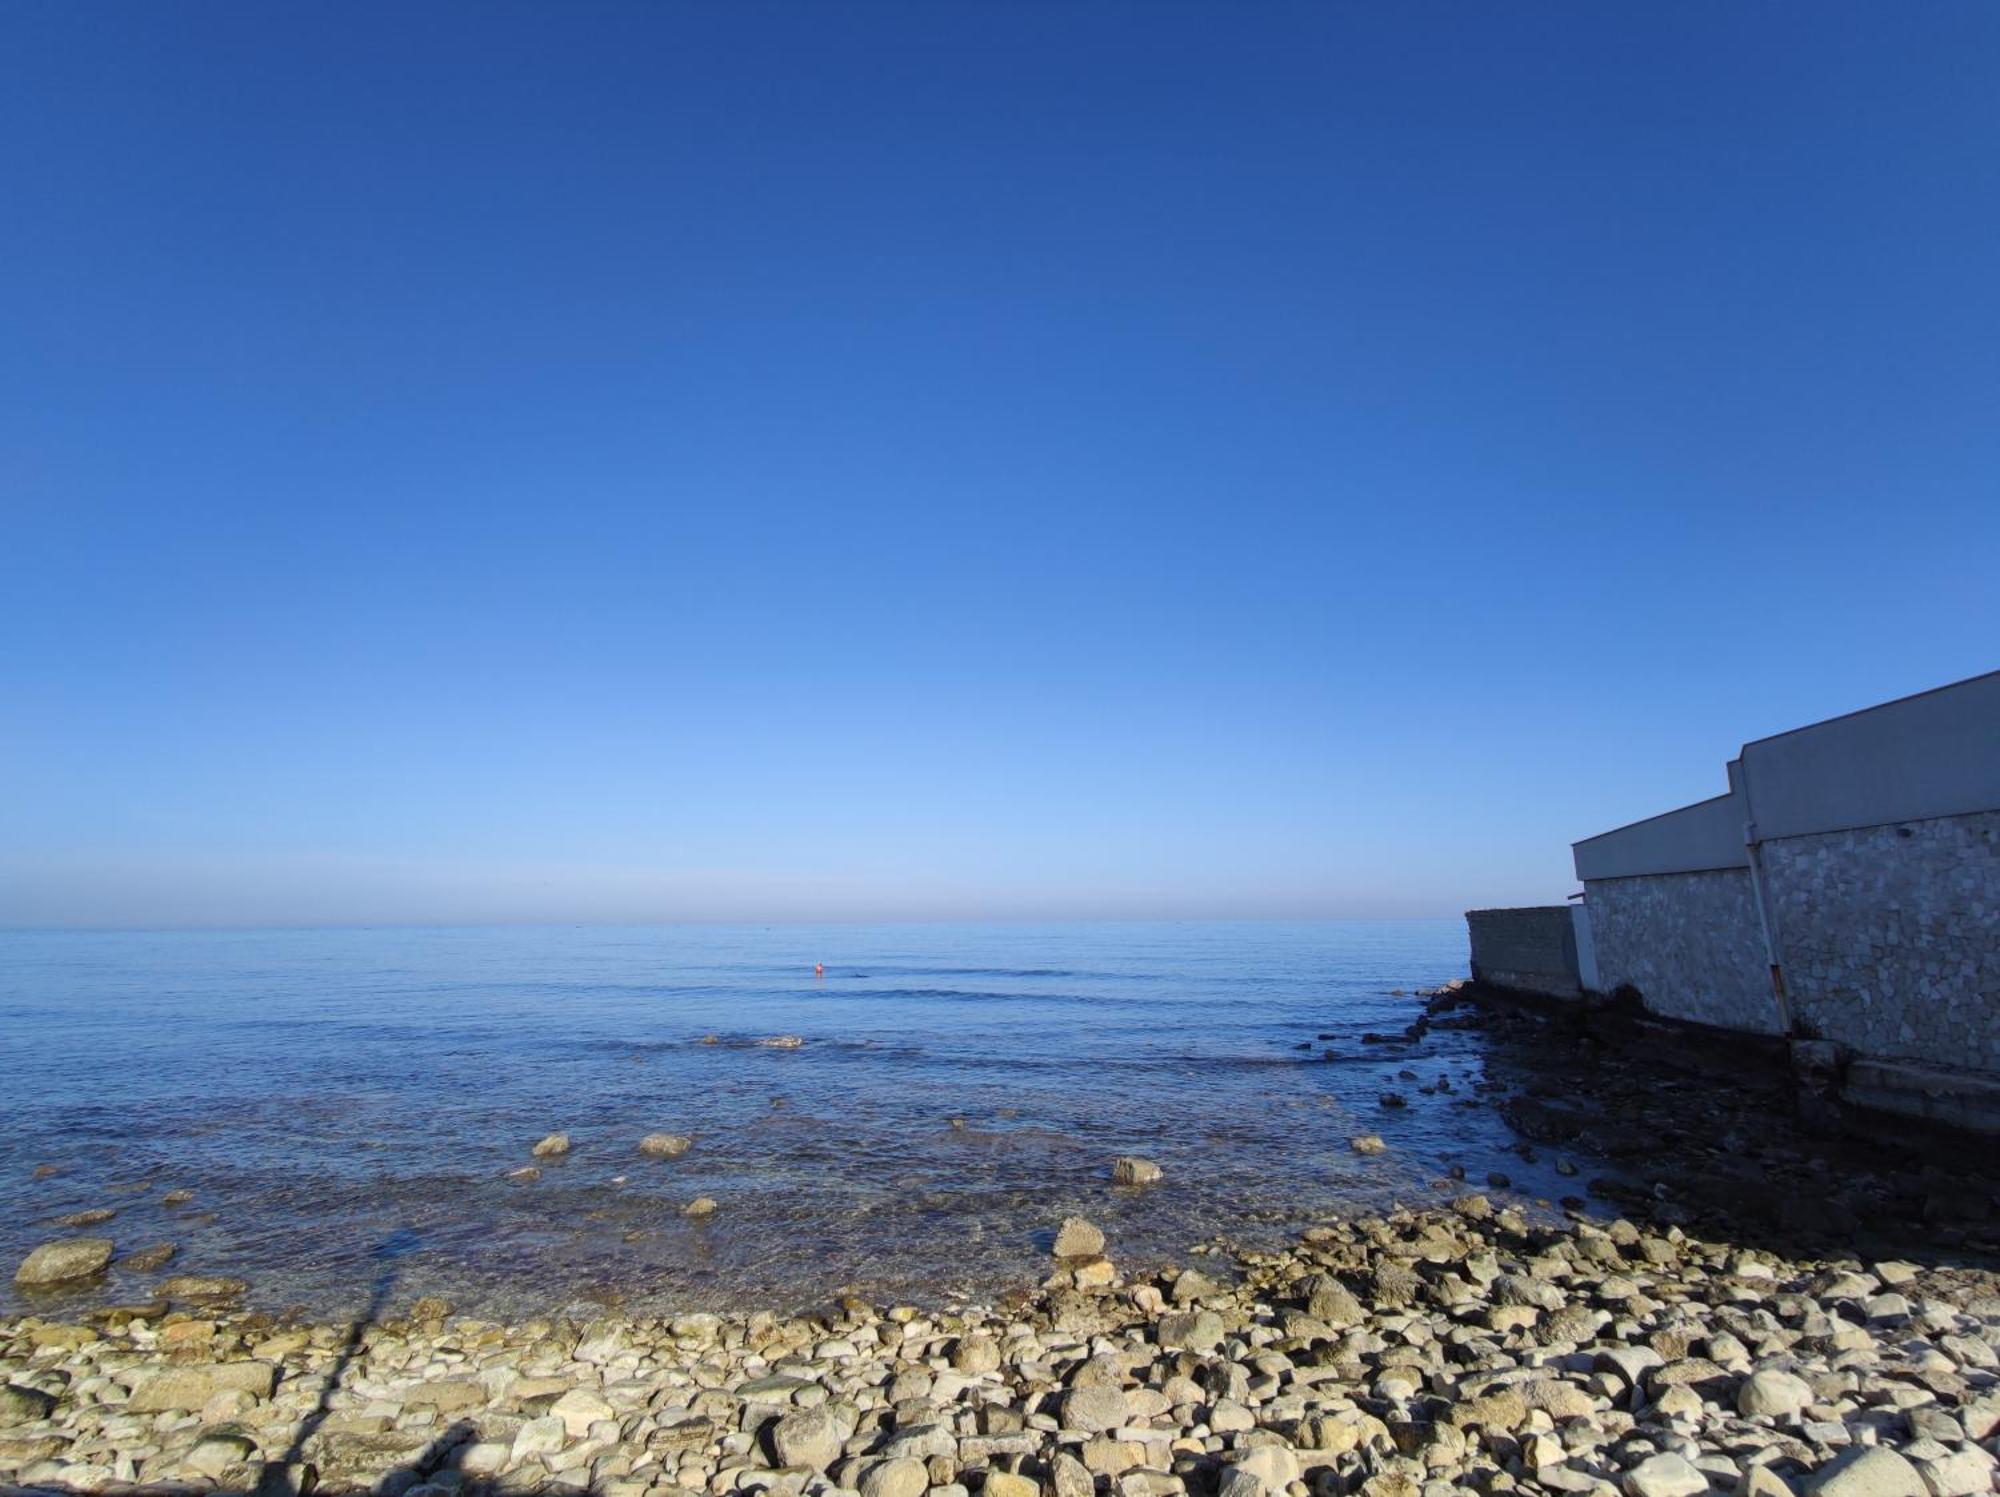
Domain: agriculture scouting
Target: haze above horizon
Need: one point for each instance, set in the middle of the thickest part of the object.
(790, 462)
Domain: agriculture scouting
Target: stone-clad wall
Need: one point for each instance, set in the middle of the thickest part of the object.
(1891, 936)
(1689, 943)
(1533, 949)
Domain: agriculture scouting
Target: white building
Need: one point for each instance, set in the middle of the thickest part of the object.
(1846, 887)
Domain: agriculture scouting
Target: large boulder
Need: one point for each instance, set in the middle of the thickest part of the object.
(64, 1261)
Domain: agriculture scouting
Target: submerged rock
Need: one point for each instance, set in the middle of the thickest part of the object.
(203, 1286)
(553, 1147)
(665, 1145)
(146, 1259)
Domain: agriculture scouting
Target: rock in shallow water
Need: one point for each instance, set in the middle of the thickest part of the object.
(203, 1286)
(64, 1261)
(146, 1259)
(1129, 1169)
(553, 1147)
(1077, 1238)
(665, 1145)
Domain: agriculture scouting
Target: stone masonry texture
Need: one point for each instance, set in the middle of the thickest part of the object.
(1689, 943)
(1891, 936)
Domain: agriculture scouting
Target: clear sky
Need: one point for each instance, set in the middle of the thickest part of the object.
(661, 461)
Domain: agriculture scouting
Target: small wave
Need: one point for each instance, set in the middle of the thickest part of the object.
(985, 995)
(1074, 974)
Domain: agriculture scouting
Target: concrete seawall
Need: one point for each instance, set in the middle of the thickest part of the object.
(1532, 949)
(1843, 893)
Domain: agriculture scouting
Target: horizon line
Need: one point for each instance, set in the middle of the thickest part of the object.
(223, 927)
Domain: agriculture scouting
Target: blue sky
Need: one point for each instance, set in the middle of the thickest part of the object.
(753, 461)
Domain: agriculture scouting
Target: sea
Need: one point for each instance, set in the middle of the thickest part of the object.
(345, 1109)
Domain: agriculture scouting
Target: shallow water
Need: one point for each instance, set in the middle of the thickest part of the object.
(345, 1104)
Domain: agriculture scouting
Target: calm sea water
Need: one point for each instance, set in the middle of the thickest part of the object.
(346, 1104)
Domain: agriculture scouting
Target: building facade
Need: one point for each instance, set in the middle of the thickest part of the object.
(1845, 887)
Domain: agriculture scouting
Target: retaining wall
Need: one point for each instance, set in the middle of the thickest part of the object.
(1532, 949)
(1891, 937)
(1689, 943)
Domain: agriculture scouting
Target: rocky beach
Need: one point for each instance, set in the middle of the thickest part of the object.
(1759, 1302)
(1403, 1355)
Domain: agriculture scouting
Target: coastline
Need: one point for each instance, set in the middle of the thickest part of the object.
(1399, 1355)
(1776, 1303)
(283, 1107)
